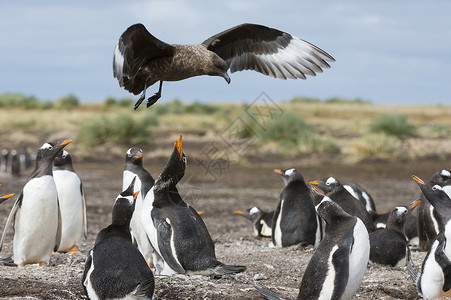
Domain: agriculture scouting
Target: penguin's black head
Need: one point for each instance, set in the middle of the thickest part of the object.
(326, 208)
(62, 158)
(49, 150)
(441, 178)
(289, 175)
(328, 185)
(175, 167)
(134, 156)
(398, 216)
(253, 213)
(435, 194)
(124, 205)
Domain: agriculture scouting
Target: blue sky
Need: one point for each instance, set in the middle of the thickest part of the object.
(388, 52)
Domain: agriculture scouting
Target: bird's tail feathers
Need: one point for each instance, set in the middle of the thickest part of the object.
(268, 294)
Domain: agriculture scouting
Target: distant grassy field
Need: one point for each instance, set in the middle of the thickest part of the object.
(350, 131)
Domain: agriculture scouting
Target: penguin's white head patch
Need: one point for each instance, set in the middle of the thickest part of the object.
(437, 187)
(65, 154)
(324, 200)
(445, 173)
(289, 172)
(130, 199)
(331, 180)
(129, 152)
(47, 146)
(401, 210)
(254, 210)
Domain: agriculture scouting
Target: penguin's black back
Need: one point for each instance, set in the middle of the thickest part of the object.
(388, 247)
(298, 223)
(119, 267)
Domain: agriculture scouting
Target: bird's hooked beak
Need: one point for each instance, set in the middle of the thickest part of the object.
(226, 77)
(178, 145)
(414, 204)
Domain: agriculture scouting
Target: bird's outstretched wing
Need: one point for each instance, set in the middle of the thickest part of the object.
(268, 51)
(135, 47)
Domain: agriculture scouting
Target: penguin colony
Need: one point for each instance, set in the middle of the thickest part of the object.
(153, 230)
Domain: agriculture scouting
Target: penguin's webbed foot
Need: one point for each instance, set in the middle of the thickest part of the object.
(74, 249)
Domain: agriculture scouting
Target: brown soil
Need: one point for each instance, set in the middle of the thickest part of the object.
(217, 194)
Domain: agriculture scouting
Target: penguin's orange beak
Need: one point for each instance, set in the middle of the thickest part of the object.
(199, 213)
(238, 212)
(414, 204)
(137, 155)
(314, 182)
(178, 145)
(6, 196)
(417, 179)
(277, 171)
(135, 195)
(66, 142)
(318, 191)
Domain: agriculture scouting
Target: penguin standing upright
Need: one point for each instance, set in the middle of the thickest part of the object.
(435, 276)
(428, 217)
(114, 268)
(389, 245)
(262, 220)
(15, 163)
(295, 220)
(335, 190)
(176, 231)
(143, 183)
(338, 265)
(36, 213)
(72, 203)
(5, 161)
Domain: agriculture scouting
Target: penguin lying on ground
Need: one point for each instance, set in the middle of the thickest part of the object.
(36, 214)
(389, 245)
(143, 183)
(335, 190)
(428, 217)
(338, 265)
(295, 220)
(72, 203)
(176, 231)
(140, 59)
(262, 220)
(435, 276)
(114, 268)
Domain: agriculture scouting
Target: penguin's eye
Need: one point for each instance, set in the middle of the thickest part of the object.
(327, 183)
(47, 146)
(434, 188)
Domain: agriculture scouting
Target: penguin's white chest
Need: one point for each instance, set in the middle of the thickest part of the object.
(36, 221)
(277, 229)
(70, 199)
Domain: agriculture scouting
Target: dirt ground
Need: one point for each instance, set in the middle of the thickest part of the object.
(217, 194)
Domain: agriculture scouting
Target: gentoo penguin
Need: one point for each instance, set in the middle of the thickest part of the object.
(295, 220)
(143, 183)
(36, 214)
(362, 195)
(335, 190)
(261, 220)
(435, 276)
(428, 217)
(410, 225)
(5, 161)
(338, 265)
(114, 268)
(177, 233)
(15, 163)
(140, 59)
(389, 245)
(72, 202)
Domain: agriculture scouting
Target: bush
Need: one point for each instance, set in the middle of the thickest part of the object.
(392, 125)
(18, 100)
(122, 129)
(66, 102)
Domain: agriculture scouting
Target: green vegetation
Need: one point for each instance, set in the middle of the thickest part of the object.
(19, 100)
(66, 102)
(392, 125)
(120, 129)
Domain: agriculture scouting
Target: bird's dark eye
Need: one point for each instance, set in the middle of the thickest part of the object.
(434, 188)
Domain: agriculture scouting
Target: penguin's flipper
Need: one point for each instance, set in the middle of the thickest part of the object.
(268, 294)
(83, 207)
(145, 290)
(228, 269)
(411, 268)
(58, 230)
(340, 262)
(85, 272)
(165, 244)
(444, 262)
(12, 214)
